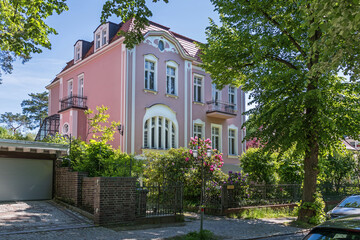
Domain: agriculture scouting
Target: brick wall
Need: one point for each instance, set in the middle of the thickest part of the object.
(68, 185)
(87, 196)
(114, 200)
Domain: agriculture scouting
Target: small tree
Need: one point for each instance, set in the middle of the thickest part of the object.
(98, 125)
(14, 121)
(35, 108)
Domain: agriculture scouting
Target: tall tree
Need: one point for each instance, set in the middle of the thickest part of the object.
(23, 30)
(14, 122)
(36, 108)
(288, 54)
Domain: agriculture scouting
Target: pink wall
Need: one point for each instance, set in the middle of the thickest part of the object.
(54, 99)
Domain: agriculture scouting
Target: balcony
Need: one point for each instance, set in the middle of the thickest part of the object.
(217, 109)
(73, 102)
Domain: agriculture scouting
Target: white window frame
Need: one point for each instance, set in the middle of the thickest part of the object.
(236, 137)
(214, 91)
(161, 111)
(213, 125)
(199, 122)
(78, 53)
(235, 96)
(97, 40)
(196, 85)
(63, 126)
(153, 59)
(174, 65)
(104, 37)
(70, 88)
(81, 85)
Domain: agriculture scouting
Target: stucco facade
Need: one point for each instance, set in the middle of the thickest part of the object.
(156, 90)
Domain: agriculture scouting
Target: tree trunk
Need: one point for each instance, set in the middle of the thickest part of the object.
(310, 177)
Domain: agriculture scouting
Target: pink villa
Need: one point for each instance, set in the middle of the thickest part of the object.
(156, 90)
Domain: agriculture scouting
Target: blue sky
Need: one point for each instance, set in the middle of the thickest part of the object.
(186, 17)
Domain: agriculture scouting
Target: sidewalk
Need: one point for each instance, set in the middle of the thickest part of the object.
(224, 228)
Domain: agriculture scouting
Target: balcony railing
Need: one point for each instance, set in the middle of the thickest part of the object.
(73, 102)
(221, 109)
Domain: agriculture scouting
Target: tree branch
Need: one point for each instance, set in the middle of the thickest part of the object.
(284, 31)
(289, 64)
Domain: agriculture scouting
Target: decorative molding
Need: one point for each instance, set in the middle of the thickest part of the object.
(154, 41)
(150, 91)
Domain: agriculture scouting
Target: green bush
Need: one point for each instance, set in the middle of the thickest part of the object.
(261, 166)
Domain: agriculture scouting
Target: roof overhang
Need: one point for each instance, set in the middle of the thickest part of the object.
(30, 149)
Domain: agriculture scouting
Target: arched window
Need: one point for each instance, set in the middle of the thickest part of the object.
(160, 128)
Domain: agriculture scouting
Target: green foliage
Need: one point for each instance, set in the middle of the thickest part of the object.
(260, 213)
(14, 122)
(317, 207)
(23, 29)
(58, 138)
(178, 165)
(98, 124)
(291, 167)
(100, 159)
(260, 165)
(6, 134)
(204, 235)
(36, 108)
(129, 9)
(338, 168)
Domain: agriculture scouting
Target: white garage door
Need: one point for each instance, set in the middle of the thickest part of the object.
(25, 179)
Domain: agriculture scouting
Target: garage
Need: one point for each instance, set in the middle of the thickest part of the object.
(27, 169)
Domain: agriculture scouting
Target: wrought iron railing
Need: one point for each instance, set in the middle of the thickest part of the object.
(73, 101)
(217, 106)
(159, 200)
(49, 126)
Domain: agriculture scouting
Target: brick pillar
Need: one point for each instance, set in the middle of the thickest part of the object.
(114, 200)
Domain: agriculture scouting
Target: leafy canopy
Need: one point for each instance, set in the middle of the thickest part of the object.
(23, 30)
(287, 54)
(14, 122)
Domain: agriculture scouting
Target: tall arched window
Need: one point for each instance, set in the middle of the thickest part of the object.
(160, 128)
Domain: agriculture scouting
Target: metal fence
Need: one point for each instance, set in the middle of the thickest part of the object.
(235, 196)
(159, 200)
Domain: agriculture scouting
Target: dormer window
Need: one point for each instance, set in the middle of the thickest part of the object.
(77, 54)
(103, 37)
(97, 40)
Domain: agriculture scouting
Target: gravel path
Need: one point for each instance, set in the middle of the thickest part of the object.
(224, 228)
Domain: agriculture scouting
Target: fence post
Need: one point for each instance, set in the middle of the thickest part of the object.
(224, 199)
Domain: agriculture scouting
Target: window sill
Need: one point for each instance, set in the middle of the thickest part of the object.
(171, 96)
(233, 156)
(150, 91)
(198, 103)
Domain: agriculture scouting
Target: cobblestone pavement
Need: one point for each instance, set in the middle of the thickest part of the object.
(30, 216)
(224, 228)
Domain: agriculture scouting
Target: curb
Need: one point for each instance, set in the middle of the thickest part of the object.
(277, 235)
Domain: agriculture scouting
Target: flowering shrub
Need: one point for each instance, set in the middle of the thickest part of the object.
(215, 162)
(240, 180)
(179, 165)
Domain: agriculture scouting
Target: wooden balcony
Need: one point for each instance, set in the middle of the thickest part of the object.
(222, 110)
(73, 102)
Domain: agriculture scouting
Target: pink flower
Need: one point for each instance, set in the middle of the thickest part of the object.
(186, 159)
(190, 151)
(211, 169)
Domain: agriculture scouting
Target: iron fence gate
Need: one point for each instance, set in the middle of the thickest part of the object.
(159, 200)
